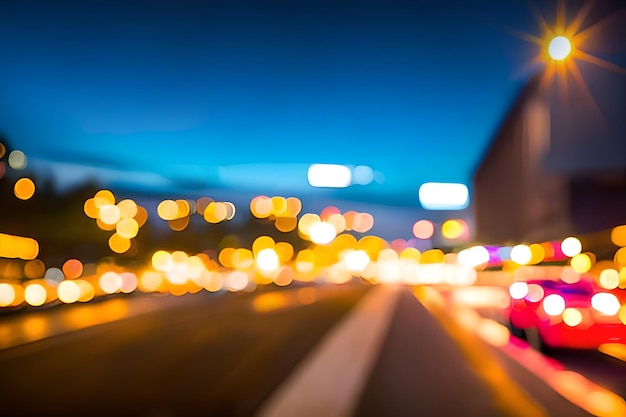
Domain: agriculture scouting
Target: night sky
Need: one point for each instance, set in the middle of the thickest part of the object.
(189, 95)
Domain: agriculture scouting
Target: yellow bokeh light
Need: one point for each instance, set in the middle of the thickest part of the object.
(581, 263)
(537, 254)
(127, 228)
(7, 294)
(24, 188)
(119, 244)
(110, 282)
(151, 281)
(294, 206)
(215, 212)
(262, 242)
(109, 214)
(572, 317)
(620, 257)
(286, 224)
(609, 279)
(104, 226)
(184, 208)
(412, 254)
(90, 208)
(284, 250)
(338, 222)
(167, 210)
(128, 208)
(372, 245)
(226, 256)
(284, 277)
(242, 258)
(306, 221)
(267, 259)
(35, 294)
(453, 229)
(432, 256)
(103, 198)
(261, 207)
(180, 224)
(142, 216)
(618, 235)
(18, 247)
(162, 261)
(87, 291)
(34, 269)
(322, 233)
(68, 292)
(279, 206)
(305, 261)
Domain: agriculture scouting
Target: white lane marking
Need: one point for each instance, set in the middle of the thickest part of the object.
(330, 379)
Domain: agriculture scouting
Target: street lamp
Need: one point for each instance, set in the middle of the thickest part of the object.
(559, 48)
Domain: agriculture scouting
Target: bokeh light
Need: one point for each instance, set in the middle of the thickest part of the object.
(35, 294)
(581, 263)
(7, 294)
(453, 229)
(17, 160)
(521, 254)
(606, 303)
(559, 48)
(553, 304)
(68, 292)
(609, 279)
(572, 317)
(423, 229)
(571, 246)
(518, 290)
(618, 235)
(72, 268)
(24, 188)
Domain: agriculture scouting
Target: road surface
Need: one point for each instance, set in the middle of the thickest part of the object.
(349, 350)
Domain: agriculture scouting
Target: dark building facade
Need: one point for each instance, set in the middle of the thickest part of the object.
(557, 164)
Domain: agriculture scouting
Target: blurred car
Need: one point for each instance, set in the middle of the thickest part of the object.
(550, 313)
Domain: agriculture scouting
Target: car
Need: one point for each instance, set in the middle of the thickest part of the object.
(550, 313)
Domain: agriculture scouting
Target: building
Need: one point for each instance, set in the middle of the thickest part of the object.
(557, 163)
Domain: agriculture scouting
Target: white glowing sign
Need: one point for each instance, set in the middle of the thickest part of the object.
(443, 196)
(329, 175)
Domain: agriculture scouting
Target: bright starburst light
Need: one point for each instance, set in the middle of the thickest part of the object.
(564, 43)
(559, 48)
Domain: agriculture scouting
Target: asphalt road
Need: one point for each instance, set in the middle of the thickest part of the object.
(332, 351)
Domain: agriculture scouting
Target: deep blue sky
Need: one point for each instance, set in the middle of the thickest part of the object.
(174, 90)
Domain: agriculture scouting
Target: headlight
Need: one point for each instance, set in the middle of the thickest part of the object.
(572, 317)
(553, 304)
(605, 303)
(518, 290)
